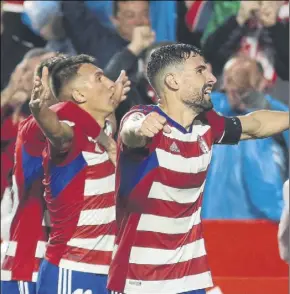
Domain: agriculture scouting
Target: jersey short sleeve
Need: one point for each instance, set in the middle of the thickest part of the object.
(83, 125)
(32, 137)
(225, 130)
(73, 148)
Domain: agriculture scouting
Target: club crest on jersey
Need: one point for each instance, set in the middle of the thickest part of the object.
(202, 144)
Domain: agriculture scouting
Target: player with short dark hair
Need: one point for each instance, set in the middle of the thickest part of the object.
(79, 175)
(163, 156)
(28, 232)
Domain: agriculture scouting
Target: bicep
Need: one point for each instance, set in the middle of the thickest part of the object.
(226, 130)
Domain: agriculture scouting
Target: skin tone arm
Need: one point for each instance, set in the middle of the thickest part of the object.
(263, 124)
(139, 129)
(59, 134)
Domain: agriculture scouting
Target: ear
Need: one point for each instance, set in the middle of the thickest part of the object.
(171, 82)
(78, 96)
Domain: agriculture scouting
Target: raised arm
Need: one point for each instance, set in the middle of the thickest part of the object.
(263, 123)
(59, 133)
(138, 129)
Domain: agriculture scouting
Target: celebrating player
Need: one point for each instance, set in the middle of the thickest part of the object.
(28, 234)
(163, 155)
(79, 176)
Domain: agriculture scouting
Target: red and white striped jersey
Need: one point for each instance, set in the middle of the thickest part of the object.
(159, 245)
(79, 195)
(27, 240)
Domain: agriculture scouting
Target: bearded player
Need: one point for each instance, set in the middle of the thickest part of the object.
(163, 156)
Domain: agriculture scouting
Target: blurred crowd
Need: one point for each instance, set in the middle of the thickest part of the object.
(246, 44)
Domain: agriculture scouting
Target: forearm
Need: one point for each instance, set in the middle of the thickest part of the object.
(264, 123)
(58, 133)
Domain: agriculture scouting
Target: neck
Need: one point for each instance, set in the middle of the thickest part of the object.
(178, 111)
(98, 116)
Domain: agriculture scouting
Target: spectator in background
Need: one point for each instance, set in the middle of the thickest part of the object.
(16, 39)
(193, 18)
(249, 186)
(283, 232)
(259, 29)
(88, 35)
(141, 91)
(45, 19)
(14, 108)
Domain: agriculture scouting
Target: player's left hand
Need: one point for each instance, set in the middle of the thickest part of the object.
(124, 83)
(110, 146)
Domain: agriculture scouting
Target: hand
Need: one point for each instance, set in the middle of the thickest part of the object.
(269, 12)
(152, 125)
(247, 10)
(110, 146)
(41, 95)
(143, 37)
(122, 87)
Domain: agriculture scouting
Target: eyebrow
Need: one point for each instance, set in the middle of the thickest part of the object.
(99, 72)
(203, 67)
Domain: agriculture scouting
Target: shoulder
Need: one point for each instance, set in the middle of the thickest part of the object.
(29, 125)
(138, 112)
(145, 109)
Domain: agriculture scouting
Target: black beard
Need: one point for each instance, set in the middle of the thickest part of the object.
(199, 104)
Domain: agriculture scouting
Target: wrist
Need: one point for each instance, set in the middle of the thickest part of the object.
(135, 49)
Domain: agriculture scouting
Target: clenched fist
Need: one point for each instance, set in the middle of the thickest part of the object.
(152, 124)
(143, 37)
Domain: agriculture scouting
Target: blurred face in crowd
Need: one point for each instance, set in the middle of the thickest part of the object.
(194, 82)
(131, 14)
(241, 77)
(92, 89)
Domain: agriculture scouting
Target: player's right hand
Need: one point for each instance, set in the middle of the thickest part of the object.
(152, 124)
(41, 95)
(143, 37)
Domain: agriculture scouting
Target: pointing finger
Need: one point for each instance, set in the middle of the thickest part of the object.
(44, 78)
